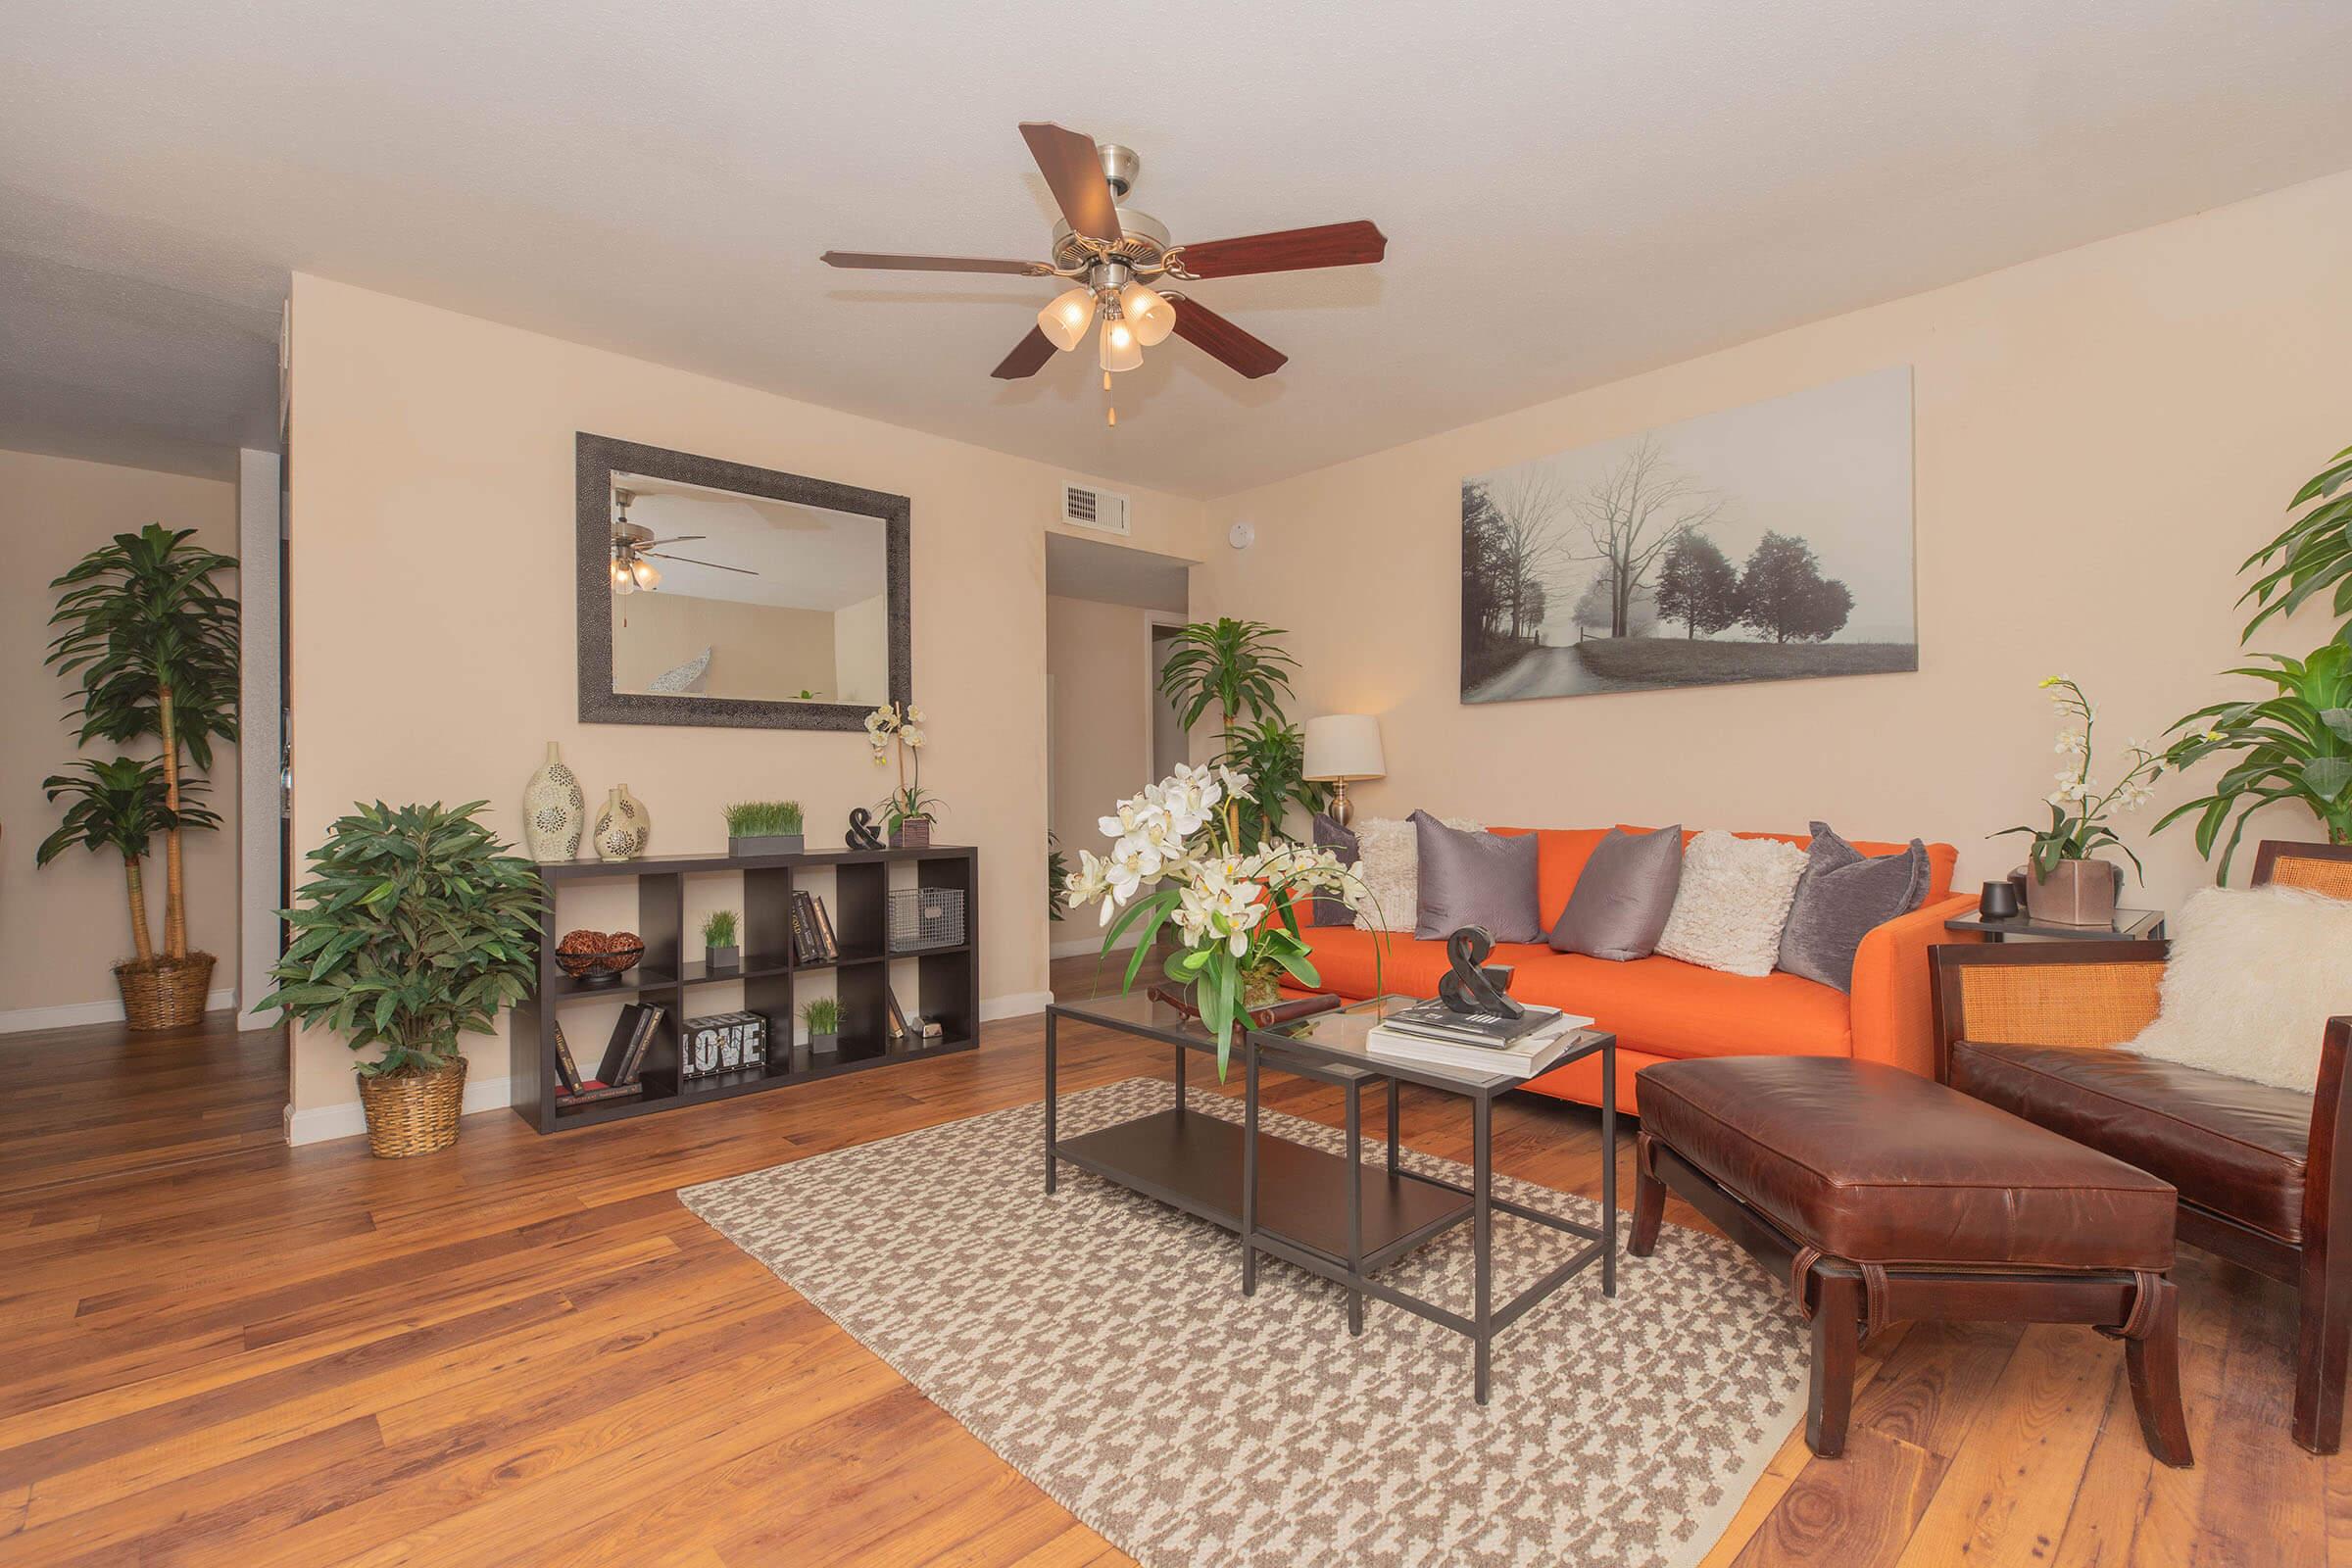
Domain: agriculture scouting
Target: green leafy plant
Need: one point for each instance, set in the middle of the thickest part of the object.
(2081, 809)
(719, 928)
(2312, 552)
(153, 640)
(823, 1015)
(414, 926)
(1233, 665)
(1057, 873)
(755, 819)
(2295, 745)
(119, 805)
(1271, 754)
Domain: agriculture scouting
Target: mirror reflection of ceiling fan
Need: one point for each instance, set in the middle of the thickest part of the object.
(1107, 251)
(635, 550)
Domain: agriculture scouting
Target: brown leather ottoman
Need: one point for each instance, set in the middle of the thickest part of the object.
(1880, 1195)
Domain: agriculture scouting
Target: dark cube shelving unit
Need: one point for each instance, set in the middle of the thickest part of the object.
(948, 987)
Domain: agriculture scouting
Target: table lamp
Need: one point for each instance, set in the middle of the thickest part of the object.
(1343, 749)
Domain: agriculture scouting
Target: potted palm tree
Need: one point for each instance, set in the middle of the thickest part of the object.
(153, 640)
(119, 805)
(415, 927)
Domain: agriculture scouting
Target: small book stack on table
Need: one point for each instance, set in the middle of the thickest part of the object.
(1434, 1034)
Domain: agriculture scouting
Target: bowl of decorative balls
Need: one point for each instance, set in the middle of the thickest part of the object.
(595, 958)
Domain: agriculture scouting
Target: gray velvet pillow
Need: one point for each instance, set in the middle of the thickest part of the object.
(1330, 835)
(1486, 879)
(1622, 898)
(1841, 895)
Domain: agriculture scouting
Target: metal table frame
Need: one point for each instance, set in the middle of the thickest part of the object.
(1300, 1058)
(1355, 1267)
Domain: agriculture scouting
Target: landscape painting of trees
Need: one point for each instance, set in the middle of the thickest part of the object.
(1771, 542)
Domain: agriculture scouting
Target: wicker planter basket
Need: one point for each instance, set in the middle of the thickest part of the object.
(168, 994)
(413, 1113)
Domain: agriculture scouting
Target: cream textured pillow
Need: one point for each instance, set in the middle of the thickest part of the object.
(2254, 975)
(1389, 853)
(1733, 902)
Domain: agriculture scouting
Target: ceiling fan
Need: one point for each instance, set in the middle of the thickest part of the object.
(1107, 251)
(635, 550)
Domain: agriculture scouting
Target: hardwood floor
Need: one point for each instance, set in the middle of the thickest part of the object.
(222, 1350)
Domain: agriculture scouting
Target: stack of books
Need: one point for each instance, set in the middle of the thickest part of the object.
(617, 1075)
(1435, 1035)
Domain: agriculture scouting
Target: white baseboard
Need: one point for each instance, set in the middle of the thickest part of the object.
(324, 1123)
(75, 1013)
(1019, 1005)
(1088, 947)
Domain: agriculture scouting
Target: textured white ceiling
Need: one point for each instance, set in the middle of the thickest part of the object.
(1571, 192)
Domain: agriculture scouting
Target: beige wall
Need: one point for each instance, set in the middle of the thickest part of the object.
(2100, 437)
(862, 652)
(761, 652)
(413, 680)
(1100, 658)
(63, 928)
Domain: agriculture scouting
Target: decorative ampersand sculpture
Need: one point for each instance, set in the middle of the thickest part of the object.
(1473, 985)
(863, 834)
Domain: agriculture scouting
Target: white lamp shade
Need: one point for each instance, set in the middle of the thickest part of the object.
(1064, 322)
(1344, 746)
(1120, 349)
(1151, 317)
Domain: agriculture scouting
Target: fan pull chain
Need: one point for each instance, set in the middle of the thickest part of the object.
(1111, 409)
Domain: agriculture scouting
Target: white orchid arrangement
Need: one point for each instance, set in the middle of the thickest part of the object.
(894, 731)
(2079, 806)
(1175, 862)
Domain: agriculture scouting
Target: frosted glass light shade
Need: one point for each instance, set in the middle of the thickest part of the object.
(622, 582)
(648, 575)
(1065, 320)
(1151, 317)
(1344, 746)
(1120, 349)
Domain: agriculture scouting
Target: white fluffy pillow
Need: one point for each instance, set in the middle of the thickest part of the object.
(1390, 855)
(2254, 975)
(1733, 902)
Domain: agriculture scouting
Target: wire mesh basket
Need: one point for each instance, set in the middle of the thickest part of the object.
(925, 917)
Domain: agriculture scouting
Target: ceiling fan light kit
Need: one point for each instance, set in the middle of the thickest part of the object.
(1106, 252)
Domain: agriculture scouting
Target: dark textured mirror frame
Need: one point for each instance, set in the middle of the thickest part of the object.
(598, 458)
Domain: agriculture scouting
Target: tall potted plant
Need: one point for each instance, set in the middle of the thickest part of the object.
(119, 805)
(2072, 885)
(2294, 744)
(153, 640)
(1239, 669)
(414, 928)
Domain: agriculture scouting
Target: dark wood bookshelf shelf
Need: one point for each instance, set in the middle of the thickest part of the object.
(946, 979)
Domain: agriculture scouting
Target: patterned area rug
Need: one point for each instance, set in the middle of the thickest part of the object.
(1099, 1342)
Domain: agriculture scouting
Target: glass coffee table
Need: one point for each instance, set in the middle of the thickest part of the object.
(1302, 1205)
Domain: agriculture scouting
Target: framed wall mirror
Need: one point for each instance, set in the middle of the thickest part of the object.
(715, 593)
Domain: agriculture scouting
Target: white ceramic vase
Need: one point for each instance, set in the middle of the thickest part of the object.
(620, 827)
(555, 811)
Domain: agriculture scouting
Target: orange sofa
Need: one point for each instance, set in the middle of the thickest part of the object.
(1663, 1010)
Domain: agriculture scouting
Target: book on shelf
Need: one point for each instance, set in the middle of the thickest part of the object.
(633, 1034)
(807, 944)
(1525, 1057)
(897, 1015)
(824, 928)
(593, 1090)
(1435, 1020)
(567, 1071)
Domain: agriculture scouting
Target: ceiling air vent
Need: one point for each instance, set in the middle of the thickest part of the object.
(1085, 506)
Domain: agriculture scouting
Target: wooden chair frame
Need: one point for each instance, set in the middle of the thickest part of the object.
(2321, 1267)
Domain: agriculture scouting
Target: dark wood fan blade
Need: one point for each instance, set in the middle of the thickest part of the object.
(1292, 250)
(1027, 358)
(745, 571)
(932, 264)
(1219, 339)
(1074, 173)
